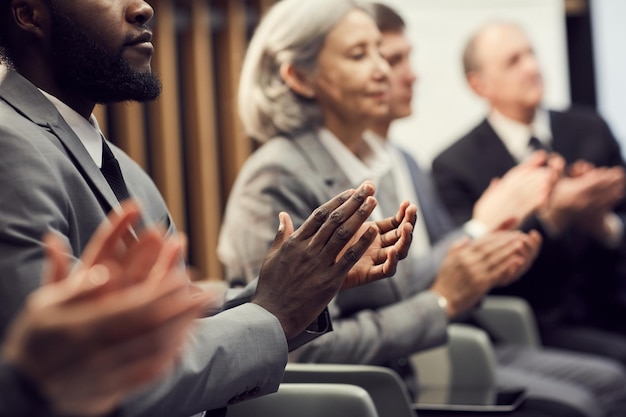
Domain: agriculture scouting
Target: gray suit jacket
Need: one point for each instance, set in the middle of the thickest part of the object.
(48, 182)
(373, 324)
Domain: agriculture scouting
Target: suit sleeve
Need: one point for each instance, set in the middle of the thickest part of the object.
(231, 357)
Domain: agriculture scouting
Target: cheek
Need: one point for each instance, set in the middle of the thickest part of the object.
(337, 87)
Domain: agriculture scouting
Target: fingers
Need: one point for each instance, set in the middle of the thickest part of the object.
(494, 248)
(313, 223)
(389, 227)
(140, 258)
(536, 159)
(509, 224)
(556, 162)
(344, 221)
(124, 366)
(109, 237)
(354, 253)
(342, 229)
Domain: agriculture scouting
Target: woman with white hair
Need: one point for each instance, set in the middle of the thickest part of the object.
(312, 79)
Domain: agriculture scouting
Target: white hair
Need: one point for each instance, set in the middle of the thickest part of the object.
(293, 31)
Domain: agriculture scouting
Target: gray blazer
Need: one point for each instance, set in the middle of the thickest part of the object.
(373, 324)
(48, 182)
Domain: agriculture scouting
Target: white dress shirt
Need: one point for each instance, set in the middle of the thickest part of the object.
(87, 131)
(515, 135)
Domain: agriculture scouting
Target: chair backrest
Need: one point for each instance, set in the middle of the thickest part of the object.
(309, 400)
(384, 386)
(510, 320)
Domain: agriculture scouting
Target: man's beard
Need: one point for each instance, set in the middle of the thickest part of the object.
(84, 65)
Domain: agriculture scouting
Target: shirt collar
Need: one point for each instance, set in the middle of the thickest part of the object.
(87, 131)
(375, 164)
(515, 135)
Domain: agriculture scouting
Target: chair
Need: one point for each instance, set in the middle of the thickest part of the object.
(510, 320)
(384, 386)
(309, 400)
(468, 359)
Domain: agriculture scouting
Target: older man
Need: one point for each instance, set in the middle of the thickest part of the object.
(576, 284)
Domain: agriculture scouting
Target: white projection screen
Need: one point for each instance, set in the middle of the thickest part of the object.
(444, 106)
(608, 35)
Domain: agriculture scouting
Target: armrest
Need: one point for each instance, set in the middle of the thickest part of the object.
(308, 400)
(509, 320)
(467, 360)
(384, 386)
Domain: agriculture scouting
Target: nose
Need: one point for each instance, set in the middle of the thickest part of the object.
(532, 65)
(381, 68)
(140, 12)
(411, 76)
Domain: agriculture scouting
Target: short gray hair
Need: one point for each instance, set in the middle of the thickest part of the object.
(292, 31)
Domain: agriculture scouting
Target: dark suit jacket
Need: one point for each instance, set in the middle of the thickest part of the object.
(569, 266)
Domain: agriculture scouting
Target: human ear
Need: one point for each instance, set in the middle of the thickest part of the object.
(475, 81)
(30, 16)
(297, 80)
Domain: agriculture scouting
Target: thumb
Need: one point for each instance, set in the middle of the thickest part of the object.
(285, 229)
(508, 224)
(536, 159)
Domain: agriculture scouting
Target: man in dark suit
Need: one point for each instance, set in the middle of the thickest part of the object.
(575, 286)
(548, 373)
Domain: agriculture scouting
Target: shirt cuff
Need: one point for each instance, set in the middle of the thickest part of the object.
(475, 229)
(614, 231)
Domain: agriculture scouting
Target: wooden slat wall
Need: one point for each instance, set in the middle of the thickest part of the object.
(190, 140)
(230, 51)
(202, 161)
(129, 130)
(165, 130)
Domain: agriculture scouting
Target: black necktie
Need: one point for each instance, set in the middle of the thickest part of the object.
(112, 173)
(536, 145)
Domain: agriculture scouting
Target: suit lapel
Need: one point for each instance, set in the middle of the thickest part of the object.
(491, 151)
(28, 101)
(561, 137)
(334, 179)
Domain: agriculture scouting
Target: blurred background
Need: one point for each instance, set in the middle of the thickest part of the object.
(190, 140)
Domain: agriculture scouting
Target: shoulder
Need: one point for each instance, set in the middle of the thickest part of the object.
(578, 115)
(280, 158)
(465, 145)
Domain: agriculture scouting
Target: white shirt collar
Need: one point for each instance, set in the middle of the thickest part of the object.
(372, 167)
(87, 131)
(515, 135)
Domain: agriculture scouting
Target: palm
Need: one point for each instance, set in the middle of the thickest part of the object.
(390, 245)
